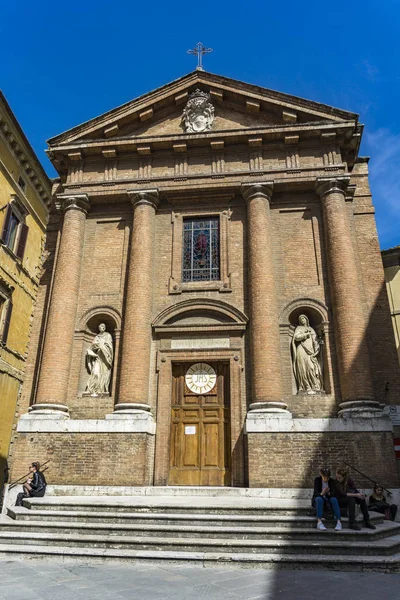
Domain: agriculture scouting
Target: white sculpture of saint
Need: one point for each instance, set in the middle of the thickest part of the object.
(305, 351)
(99, 360)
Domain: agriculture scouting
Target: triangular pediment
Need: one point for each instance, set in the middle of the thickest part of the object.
(237, 106)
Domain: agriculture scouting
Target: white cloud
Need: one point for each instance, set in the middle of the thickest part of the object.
(384, 147)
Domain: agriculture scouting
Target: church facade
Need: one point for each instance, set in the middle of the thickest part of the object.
(212, 309)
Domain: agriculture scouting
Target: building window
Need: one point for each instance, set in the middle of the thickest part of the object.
(5, 313)
(15, 232)
(201, 256)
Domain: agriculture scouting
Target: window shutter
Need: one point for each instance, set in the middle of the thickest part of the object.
(7, 320)
(6, 224)
(22, 241)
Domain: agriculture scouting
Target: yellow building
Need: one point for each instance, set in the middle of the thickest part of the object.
(391, 263)
(25, 192)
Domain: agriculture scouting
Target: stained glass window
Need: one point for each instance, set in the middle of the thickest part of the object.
(200, 249)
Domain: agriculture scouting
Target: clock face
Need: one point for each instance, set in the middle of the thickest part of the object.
(200, 378)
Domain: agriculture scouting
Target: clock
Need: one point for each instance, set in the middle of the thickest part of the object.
(200, 378)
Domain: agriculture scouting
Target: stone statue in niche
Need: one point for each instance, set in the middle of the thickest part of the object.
(306, 349)
(198, 114)
(99, 360)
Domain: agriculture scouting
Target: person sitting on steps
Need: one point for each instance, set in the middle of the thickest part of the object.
(348, 496)
(377, 502)
(324, 497)
(35, 485)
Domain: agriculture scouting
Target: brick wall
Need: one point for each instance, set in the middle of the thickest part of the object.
(294, 459)
(88, 459)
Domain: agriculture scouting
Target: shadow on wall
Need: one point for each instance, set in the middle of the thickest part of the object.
(370, 452)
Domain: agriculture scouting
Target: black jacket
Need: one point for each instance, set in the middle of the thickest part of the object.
(38, 482)
(318, 488)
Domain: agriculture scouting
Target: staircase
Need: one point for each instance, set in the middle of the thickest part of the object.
(208, 526)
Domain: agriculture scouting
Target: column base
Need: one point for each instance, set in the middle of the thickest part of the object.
(365, 409)
(271, 409)
(130, 408)
(48, 411)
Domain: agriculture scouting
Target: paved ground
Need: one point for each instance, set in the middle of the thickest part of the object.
(34, 580)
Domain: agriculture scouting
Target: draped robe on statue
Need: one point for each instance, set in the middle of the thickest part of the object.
(99, 358)
(305, 350)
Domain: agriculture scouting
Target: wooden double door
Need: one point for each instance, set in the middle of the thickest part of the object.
(200, 428)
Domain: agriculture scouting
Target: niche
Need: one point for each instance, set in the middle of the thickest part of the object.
(308, 353)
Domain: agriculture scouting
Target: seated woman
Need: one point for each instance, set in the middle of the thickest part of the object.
(377, 502)
(35, 486)
(324, 496)
(348, 496)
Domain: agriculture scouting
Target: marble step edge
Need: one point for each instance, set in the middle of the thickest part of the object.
(336, 562)
(186, 490)
(238, 503)
(384, 529)
(17, 511)
(384, 543)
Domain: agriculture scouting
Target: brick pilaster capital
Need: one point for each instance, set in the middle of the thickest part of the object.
(257, 190)
(145, 197)
(331, 185)
(78, 202)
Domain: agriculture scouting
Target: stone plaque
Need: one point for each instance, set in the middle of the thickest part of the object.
(194, 343)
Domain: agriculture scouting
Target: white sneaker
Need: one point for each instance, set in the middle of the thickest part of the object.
(321, 527)
(338, 526)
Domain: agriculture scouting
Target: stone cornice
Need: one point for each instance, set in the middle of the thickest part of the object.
(176, 93)
(275, 133)
(23, 153)
(284, 179)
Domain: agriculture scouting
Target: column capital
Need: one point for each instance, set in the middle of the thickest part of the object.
(261, 189)
(78, 202)
(331, 185)
(144, 197)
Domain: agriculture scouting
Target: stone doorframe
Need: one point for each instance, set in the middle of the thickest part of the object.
(165, 359)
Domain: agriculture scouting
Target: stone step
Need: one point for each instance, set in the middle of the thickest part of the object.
(382, 547)
(226, 531)
(197, 505)
(339, 562)
(177, 519)
(209, 491)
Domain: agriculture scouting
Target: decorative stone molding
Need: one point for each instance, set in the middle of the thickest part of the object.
(271, 409)
(258, 422)
(79, 202)
(361, 409)
(176, 285)
(220, 308)
(140, 422)
(106, 310)
(263, 189)
(130, 408)
(331, 185)
(144, 197)
(198, 114)
(48, 411)
(303, 303)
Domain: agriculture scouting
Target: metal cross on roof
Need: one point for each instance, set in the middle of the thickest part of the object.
(199, 50)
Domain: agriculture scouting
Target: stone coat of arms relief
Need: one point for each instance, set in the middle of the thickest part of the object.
(198, 114)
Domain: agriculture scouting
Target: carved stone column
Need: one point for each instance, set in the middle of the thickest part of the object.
(267, 388)
(136, 341)
(56, 360)
(349, 321)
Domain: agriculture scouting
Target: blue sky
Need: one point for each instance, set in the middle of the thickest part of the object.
(64, 63)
